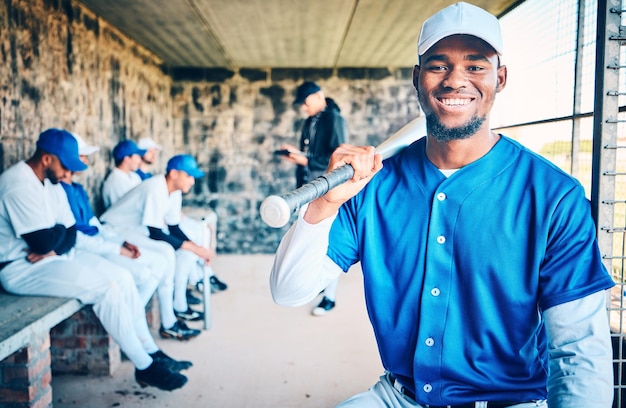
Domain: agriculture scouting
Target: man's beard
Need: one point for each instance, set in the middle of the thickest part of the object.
(51, 176)
(446, 134)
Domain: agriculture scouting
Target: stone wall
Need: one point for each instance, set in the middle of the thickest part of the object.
(61, 66)
(233, 121)
(64, 67)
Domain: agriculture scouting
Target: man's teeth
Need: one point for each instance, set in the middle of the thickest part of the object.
(455, 102)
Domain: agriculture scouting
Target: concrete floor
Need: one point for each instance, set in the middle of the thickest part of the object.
(256, 354)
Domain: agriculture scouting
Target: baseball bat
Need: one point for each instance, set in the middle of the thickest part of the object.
(206, 283)
(276, 210)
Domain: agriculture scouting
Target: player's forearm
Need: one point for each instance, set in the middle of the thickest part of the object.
(319, 210)
(580, 354)
(301, 268)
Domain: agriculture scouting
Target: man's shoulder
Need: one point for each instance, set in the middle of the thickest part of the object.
(15, 177)
(152, 185)
(539, 163)
(115, 173)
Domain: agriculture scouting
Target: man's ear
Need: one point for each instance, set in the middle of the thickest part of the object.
(174, 174)
(46, 159)
(416, 74)
(502, 75)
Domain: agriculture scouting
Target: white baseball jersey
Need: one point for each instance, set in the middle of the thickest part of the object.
(147, 205)
(117, 184)
(28, 205)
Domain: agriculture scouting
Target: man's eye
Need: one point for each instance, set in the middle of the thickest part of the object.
(475, 68)
(437, 68)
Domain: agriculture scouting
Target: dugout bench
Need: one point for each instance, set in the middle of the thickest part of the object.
(25, 345)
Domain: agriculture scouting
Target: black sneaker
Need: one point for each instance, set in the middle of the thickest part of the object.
(190, 315)
(159, 375)
(191, 299)
(325, 306)
(178, 331)
(173, 365)
(217, 285)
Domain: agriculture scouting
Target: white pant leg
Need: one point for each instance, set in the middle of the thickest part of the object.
(380, 395)
(384, 395)
(93, 280)
(200, 235)
(186, 265)
(193, 229)
(162, 259)
(142, 274)
(331, 290)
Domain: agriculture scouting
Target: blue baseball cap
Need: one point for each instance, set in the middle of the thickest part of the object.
(307, 88)
(63, 145)
(126, 148)
(186, 163)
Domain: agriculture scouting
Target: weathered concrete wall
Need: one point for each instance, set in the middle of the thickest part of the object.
(62, 66)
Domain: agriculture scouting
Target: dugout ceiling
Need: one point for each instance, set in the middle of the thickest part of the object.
(277, 33)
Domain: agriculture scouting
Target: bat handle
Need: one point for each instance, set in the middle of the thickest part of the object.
(276, 210)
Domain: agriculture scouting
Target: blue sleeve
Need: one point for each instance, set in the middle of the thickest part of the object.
(343, 240)
(572, 267)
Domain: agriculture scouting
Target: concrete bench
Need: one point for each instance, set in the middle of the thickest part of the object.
(37, 332)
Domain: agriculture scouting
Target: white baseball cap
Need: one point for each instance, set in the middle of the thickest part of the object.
(83, 148)
(460, 18)
(146, 143)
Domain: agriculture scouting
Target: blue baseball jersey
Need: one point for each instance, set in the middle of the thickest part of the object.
(457, 270)
(81, 207)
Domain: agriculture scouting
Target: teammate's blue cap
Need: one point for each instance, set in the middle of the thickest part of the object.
(63, 145)
(186, 163)
(307, 88)
(126, 148)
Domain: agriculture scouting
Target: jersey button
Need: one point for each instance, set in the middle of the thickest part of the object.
(427, 388)
(435, 291)
(430, 342)
(441, 196)
(441, 239)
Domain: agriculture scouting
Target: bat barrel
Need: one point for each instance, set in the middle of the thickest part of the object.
(276, 210)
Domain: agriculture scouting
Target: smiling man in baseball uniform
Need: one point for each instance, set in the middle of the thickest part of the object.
(483, 278)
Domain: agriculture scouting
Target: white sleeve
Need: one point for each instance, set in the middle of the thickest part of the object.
(117, 185)
(301, 267)
(107, 192)
(580, 354)
(106, 232)
(175, 206)
(96, 244)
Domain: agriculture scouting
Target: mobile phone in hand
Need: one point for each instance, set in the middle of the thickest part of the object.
(286, 152)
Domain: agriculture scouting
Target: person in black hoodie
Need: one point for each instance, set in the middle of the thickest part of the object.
(323, 131)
